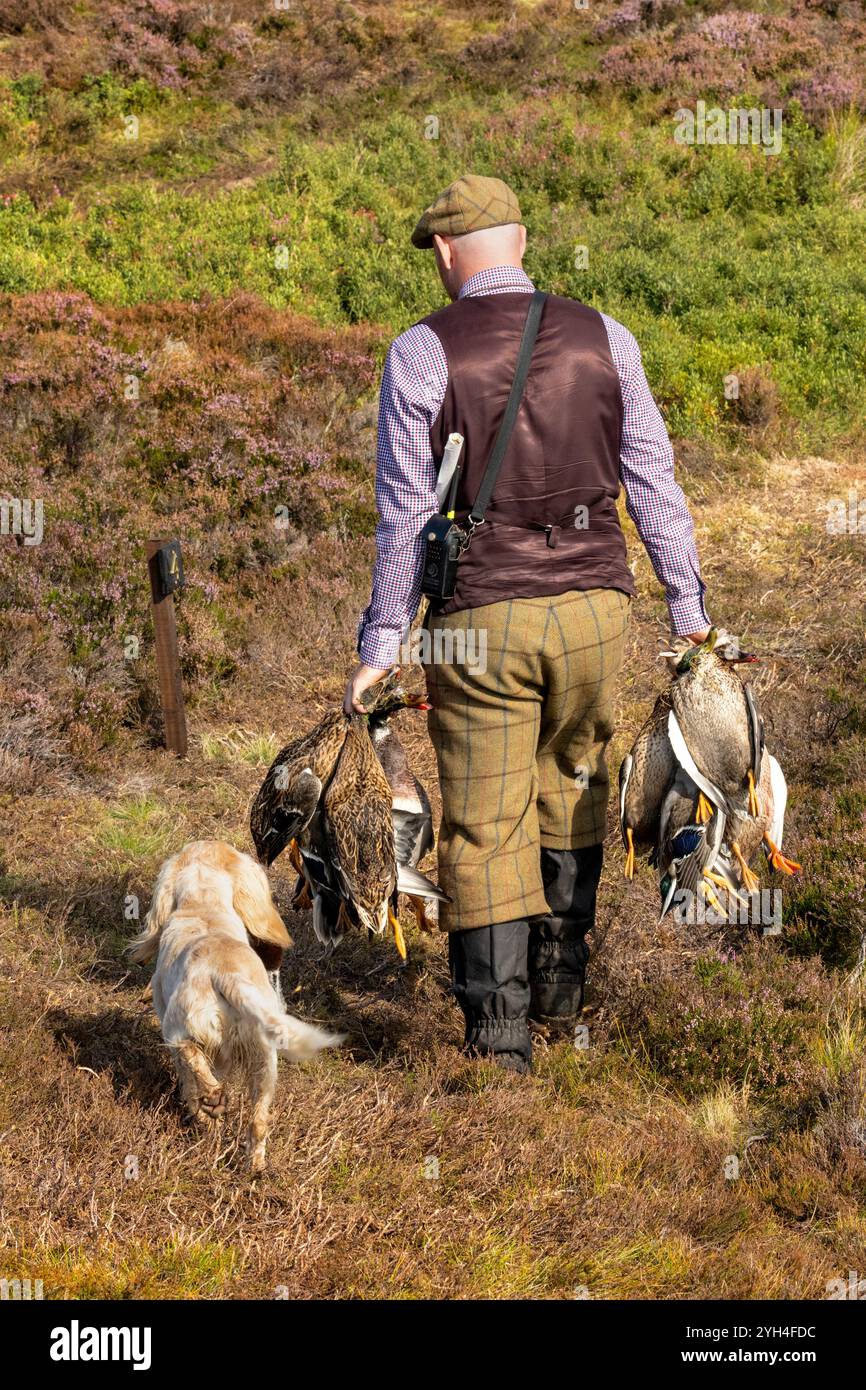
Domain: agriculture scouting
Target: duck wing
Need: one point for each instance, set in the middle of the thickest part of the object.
(287, 799)
(756, 732)
(327, 898)
(410, 804)
(286, 817)
(413, 826)
(777, 801)
(645, 775)
(417, 885)
(684, 846)
(683, 755)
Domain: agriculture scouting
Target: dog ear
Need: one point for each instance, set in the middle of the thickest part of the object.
(252, 901)
(270, 955)
(145, 946)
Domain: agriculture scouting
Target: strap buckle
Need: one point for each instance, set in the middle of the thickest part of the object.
(470, 526)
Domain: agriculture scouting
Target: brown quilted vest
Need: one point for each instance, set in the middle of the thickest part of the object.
(552, 524)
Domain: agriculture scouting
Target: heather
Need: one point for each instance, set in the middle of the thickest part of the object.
(241, 177)
(194, 309)
(227, 423)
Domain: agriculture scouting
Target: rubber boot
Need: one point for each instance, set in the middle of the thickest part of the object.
(490, 981)
(558, 951)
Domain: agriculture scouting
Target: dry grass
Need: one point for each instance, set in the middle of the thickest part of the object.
(398, 1168)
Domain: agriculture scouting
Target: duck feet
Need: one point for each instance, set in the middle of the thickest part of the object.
(703, 810)
(711, 896)
(399, 938)
(628, 868)
(778, 861)
(301, 898)
(749, 878)
(723, 883)
(420, 908)
(754, 808)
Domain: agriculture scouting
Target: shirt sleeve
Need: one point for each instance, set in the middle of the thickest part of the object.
(654, 499)
(413, 389)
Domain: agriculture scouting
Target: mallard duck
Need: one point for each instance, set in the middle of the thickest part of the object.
(410, 810)
(327, 799)
(355, 836)
(288, 797)
(748, 833)
(716, 731)
(362, 850)
(644, 776)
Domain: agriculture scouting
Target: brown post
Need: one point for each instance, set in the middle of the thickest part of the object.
(168, 665)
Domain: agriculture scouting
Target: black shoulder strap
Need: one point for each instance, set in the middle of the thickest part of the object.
(497, 453)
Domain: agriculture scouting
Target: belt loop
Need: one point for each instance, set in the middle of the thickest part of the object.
(552, 533)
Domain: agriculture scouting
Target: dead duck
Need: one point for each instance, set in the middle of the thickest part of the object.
(660, 751)
(765, 830)
(353, 836)
(287, 799)
(698, 787)
(716, 731)
(327, 800)
(411, 812)
(645, 774)
(374, 827)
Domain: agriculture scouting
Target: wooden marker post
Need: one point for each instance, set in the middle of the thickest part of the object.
(165, 567)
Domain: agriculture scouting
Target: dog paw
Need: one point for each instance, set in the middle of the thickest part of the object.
(212, 1105)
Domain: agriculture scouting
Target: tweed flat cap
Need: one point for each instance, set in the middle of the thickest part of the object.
(467, 205)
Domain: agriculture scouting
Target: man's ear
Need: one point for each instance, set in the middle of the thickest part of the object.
(444, 250)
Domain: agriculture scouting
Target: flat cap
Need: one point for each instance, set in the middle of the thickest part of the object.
(470, 204)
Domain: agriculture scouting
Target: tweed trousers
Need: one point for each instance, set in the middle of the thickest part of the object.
(522, 696)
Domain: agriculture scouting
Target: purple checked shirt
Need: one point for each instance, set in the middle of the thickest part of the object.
(413, 389)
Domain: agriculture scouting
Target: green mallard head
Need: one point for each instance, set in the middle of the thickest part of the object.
(693, 656)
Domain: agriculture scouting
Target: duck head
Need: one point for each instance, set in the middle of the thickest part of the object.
(388, 699)
(693, 656)
(682, 657)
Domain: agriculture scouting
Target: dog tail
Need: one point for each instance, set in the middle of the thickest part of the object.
(293, 1036)
(303, 1040)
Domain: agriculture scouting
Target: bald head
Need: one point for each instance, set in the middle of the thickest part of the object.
(458, 257)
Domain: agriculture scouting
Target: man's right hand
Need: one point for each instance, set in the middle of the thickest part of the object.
(364, 677)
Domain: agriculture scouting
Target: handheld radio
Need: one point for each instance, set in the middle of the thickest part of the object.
(444, 540)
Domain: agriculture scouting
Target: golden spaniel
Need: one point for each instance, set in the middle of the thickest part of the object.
(210, 988)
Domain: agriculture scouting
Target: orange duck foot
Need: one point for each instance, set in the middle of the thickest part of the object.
(778, 860)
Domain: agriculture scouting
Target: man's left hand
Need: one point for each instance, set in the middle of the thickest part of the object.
(364, 677)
